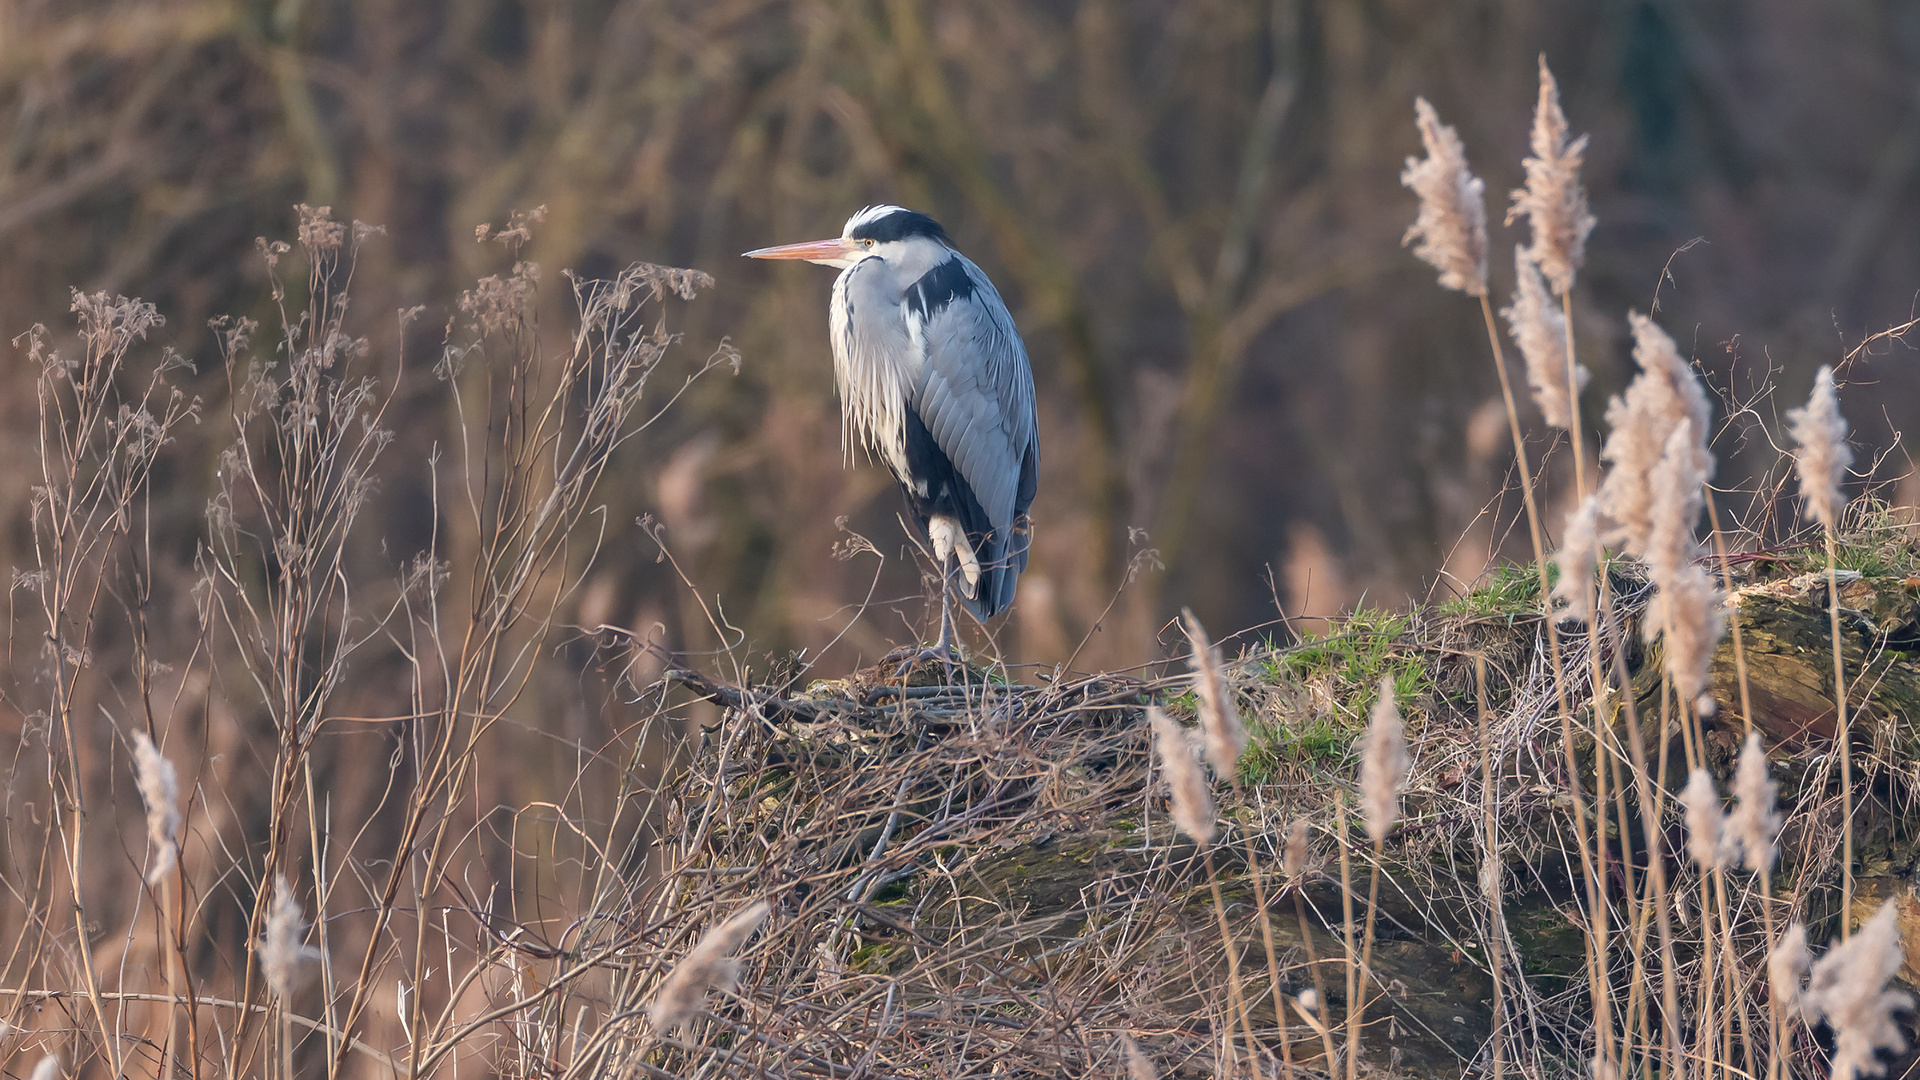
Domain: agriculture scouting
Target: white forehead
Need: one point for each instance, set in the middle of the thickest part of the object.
(870, 215)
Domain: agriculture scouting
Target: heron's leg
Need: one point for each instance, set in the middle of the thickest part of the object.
(944, 646)
(942, 649)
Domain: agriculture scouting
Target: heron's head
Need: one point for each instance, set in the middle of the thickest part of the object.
(887, 232)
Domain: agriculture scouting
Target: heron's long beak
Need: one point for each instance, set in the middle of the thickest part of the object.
(821, 251)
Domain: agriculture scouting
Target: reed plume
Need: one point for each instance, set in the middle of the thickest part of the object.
(160, 791)
(1138, 1067)
(1664, 393)
(1225, 736)
(1578, 555)
(1553, 201)
(1688, 614)
(1192, 799)
(1787, 964)
(710, 964)
(1822, 463)
(1539, 327)
(48, 1068)
(1706, 823)
(1755, 821)
(281, 949)
(1848, 985)
(1295, 861)
(1383, 767)
(1452, 225)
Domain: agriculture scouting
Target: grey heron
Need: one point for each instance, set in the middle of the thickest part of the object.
(934, 381)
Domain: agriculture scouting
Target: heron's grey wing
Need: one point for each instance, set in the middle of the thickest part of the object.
(976, 400)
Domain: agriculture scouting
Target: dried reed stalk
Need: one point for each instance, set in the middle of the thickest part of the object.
(1821, 433)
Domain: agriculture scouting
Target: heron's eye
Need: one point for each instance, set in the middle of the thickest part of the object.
(868, 241)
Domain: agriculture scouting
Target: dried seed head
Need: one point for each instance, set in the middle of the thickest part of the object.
(1689, 616)
(1755, 821)
(1664, 393)
(281, 949)
(160, 790)
(1138, 1067)
(1824, 456)
(1383, 767)
(1539, 327)
(1226, 737)
(1192, 799)
(710, 964)
(1849, 986)
(1295, 862)
(1553, 200)
(1706, 825)
(1579, 552)
(1677, 484)
(1787, 965)
(1452, 226)
(47, 1069)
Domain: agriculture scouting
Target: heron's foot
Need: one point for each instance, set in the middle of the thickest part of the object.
(913, 657)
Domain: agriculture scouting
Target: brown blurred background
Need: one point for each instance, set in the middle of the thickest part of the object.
(1192, 207)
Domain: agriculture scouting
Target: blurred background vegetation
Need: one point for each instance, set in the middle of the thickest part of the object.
(1192, 206)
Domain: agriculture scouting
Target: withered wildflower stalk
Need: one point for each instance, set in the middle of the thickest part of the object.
(1451, 231)
(102, 425)
(1821, 433)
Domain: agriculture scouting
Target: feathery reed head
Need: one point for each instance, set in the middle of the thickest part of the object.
(1383, 767)
(1677, 485)
(710, 964)
(1539, 327)
(1225, 735)
(1706, 824)
(1689, 617)
(1824, 455)
(1295, 861)
(1192, 799)
(1452, 226)
(281, 949)
(1755, 822)
(160, 790)
(1578, 554)
(1138, 1067)
(1848, 984)
(1664, 392)
(1553, 200)
(1787, 964)
(48, 1068)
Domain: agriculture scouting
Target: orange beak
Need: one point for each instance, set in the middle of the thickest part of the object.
(820, 251)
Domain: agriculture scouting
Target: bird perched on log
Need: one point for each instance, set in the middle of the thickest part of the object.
(934, 381)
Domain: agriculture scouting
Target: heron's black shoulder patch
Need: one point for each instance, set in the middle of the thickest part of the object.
(939, 287)
(900, 225)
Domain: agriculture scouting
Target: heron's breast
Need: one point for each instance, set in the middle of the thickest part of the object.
(878, 362)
